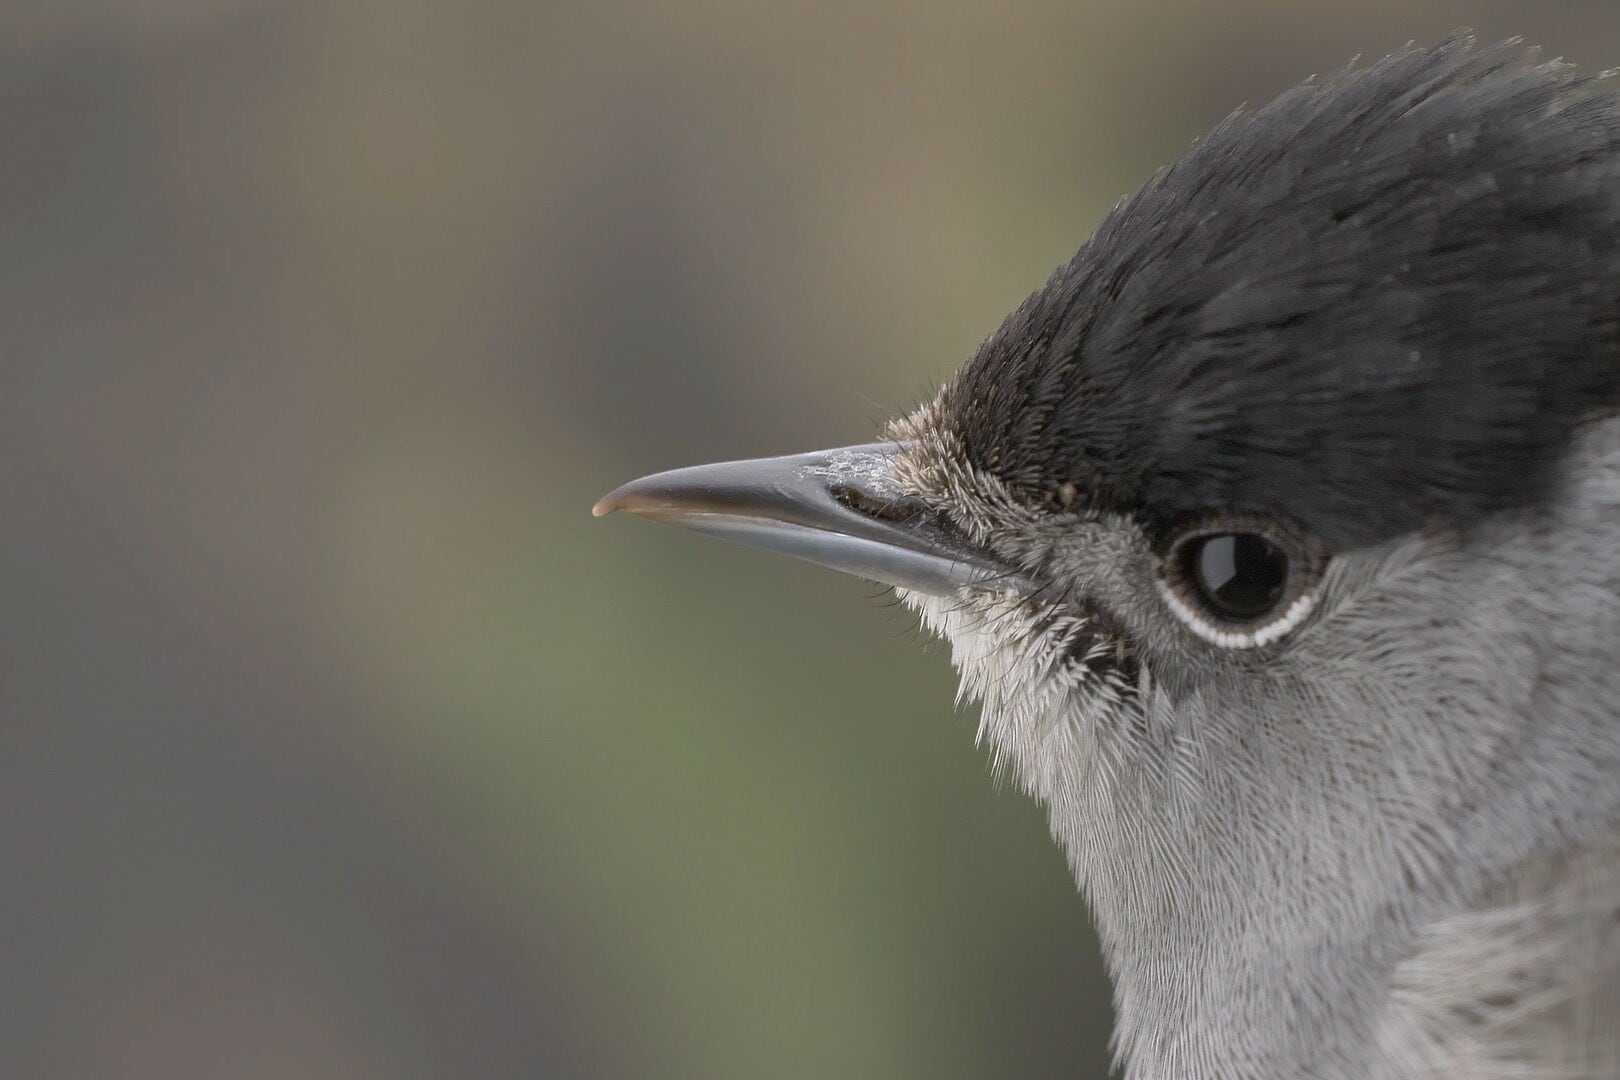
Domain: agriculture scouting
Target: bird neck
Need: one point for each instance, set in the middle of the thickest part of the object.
(1523, 982)
(1526, 983)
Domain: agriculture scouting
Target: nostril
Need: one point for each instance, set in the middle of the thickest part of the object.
(899, 511)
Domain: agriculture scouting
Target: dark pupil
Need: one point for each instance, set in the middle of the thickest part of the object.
(1241, 575)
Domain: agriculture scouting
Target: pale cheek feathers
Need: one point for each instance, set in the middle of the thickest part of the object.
(1041, 706)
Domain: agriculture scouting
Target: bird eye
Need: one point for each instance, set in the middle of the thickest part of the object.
(1240, 586)
(1240, 576)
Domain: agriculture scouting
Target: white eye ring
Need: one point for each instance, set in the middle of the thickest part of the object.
(1206, 628)
(1240, 583)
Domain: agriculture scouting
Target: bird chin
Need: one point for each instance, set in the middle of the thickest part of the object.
(1045, 680)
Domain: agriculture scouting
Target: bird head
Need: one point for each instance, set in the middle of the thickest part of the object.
(1276, 535)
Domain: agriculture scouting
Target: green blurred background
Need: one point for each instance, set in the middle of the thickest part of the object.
(338, 740)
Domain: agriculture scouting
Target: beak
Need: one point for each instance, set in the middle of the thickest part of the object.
(840, 508)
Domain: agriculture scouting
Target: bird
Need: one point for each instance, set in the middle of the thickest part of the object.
(1277, 536)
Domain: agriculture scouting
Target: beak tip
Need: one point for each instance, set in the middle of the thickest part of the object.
(645, 495)
(613, 500)
(631, 496)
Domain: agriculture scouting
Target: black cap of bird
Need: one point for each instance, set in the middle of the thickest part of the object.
(1278, 534)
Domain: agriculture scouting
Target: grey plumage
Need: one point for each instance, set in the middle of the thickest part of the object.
(1298, 858)
(1365, 824)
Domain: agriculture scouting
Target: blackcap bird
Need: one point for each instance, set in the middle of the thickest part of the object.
(1278, 534)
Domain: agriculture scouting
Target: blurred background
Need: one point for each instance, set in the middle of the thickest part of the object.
(336, 738)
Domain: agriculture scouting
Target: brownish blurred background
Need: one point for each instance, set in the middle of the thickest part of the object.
(336, 738)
